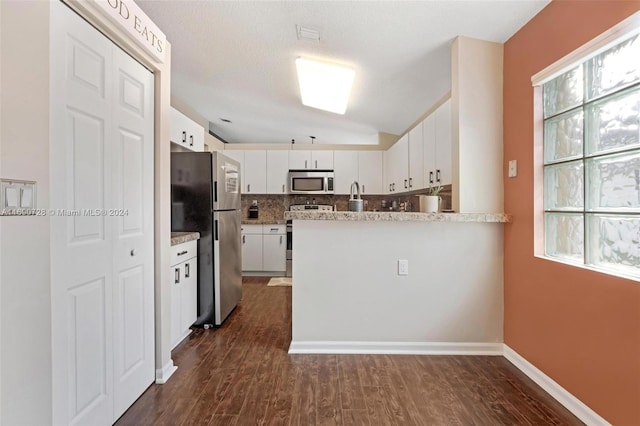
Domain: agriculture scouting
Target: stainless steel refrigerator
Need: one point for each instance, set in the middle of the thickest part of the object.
(205, 197)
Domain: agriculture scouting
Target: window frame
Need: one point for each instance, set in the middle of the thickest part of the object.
(626, 29)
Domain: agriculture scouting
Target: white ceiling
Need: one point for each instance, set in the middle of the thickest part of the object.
(236, 60)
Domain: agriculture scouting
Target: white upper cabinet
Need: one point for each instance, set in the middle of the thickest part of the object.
(369, 172)
(416, 158)
(304, 159)
(255, 172)
(186, 132)
(266, 172)
(345, 166)
(429, 134)
(396, 166)
(277, 171)
(443, 155)
(365, 167)
(437, 147)
(322, 160)
(299, 159)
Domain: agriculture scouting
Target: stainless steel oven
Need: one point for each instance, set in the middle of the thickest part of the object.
(289, 247)
(300, 207)
(311, 181)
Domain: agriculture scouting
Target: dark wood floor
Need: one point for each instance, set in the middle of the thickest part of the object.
(241, 374)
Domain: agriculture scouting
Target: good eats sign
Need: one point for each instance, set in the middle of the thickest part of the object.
(132, 19)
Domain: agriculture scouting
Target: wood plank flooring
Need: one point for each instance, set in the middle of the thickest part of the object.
(241, 374)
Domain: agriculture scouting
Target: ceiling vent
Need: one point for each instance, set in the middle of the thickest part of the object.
(308, 34)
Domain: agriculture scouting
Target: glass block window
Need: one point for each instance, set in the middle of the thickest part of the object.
(592, 161)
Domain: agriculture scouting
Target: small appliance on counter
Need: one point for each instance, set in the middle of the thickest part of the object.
(253, 210)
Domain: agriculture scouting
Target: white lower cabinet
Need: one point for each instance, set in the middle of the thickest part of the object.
(274, 248)
(264, 248)
(184, 290)
(251, 249)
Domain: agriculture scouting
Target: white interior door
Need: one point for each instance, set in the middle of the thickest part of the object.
(132, 177)
(101, 163)
(81, 265)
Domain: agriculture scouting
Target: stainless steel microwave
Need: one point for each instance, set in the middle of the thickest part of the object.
(311, 181)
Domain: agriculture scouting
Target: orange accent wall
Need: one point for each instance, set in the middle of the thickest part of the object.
(581, 328)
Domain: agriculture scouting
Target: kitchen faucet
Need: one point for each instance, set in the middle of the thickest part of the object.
(357, 185)
(355, 204)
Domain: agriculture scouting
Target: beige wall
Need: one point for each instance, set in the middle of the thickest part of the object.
(25, 311)
(25, 299)
(385, 141)
(476, 96)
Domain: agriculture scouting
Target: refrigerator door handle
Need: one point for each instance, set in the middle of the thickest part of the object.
(215, 191)
(215, 230)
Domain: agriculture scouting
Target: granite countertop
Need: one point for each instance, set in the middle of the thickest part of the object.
(183, 237)
(263, 222)
(400, 216)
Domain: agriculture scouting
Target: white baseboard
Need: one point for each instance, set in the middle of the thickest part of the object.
(163, 374)
(560, 394)
(396, 348)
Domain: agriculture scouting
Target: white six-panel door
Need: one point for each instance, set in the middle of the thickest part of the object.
(132, 177)
(101, 196)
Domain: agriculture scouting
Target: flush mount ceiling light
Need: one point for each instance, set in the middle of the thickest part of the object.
(323, 85)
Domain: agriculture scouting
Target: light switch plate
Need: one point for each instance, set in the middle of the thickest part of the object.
(403, 267)
(16, 195)
(513, 168)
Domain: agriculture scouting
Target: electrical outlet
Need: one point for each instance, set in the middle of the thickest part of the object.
(403, 267)
(513, 168)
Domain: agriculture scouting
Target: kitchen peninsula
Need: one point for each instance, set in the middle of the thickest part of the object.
(352, 293)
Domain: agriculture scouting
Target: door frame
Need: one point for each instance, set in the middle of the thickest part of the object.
(162, 175)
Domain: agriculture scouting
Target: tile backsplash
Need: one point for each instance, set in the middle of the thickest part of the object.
(271, 208)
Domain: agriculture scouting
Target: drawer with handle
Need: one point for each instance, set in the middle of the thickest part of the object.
(184, 251)
(251, 229)
(274, 229)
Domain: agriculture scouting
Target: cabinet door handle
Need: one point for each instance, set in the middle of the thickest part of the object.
(190, 140)
(363, 189)
(177, 276)
(184, 137)
(183, 252)
(244, 239)
(438, 175)
(283, 188)
(405, 184)
(274, 229)
(430, 177)
(389, 187)
(410, 182)
(316, 164)
(305, 164)
(187, 270)
(249, 187)
(280, 239)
